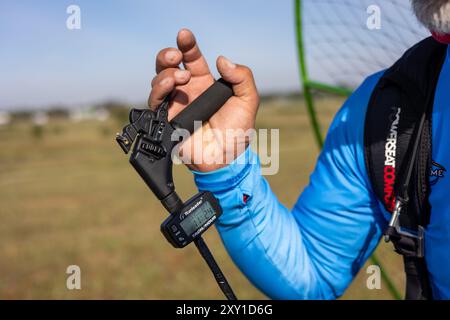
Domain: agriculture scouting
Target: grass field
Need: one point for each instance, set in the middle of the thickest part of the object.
(70, 197)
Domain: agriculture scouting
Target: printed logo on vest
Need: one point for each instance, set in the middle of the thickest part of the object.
(390, 153)
(436, 172)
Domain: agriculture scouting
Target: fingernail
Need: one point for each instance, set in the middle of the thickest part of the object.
(181, 74)
(228, 63)
(171, 55)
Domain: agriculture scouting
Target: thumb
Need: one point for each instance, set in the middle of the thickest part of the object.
(241, 79)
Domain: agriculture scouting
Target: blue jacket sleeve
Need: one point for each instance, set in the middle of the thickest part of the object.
(314, 250)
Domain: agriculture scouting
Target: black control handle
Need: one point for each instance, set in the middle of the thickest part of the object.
(205, 106)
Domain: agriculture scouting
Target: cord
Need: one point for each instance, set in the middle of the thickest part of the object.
(212, 264)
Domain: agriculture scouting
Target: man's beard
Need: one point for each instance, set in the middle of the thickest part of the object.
(433, 14)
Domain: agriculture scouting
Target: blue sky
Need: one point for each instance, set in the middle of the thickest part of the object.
(42, 63)
(112, 57)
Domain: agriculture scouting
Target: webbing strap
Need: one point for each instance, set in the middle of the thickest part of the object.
(215, 269)
(417, 283)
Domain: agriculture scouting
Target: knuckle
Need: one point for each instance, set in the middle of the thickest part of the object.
(154, 81)
(162, 76)
(257, 99)
(169, 72)
(150, 102)
(247, 71)
(163, 79)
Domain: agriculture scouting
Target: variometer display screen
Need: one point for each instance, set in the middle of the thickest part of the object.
(197, 218)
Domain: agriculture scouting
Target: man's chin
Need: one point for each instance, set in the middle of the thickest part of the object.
(433, 14)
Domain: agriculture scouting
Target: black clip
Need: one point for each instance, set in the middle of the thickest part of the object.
(406, 241)
(150, 133)
(139, 124)
(149, 123)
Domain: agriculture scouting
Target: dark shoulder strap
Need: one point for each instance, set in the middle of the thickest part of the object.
(397, 149)
(403, 94)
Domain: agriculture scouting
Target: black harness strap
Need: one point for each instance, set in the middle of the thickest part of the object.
(398, 148)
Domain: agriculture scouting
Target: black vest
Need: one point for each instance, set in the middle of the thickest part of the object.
(397, 146)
